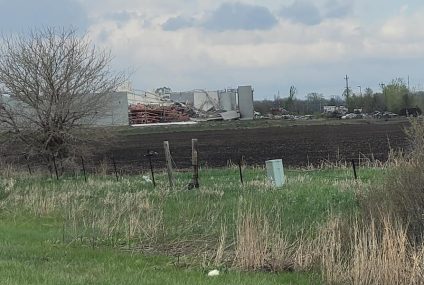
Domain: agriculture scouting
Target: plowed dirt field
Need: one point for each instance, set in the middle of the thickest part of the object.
(297, 145)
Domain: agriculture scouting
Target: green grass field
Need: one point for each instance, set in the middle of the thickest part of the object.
(127, 232)
(30, 253)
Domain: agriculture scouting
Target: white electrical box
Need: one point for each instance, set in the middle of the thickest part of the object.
(275, 171)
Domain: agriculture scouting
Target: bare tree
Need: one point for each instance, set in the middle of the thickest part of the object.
(54, 84)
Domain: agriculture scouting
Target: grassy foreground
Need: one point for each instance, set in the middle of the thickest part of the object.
(107, 232)
(29, 254)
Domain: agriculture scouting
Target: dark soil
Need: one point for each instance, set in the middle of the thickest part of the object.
(297, 145)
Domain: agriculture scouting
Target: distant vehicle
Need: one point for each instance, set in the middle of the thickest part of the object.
(353, 116)
(287, 117)
(258, 115)
(377, 114)
(279, 111)
(388, 115)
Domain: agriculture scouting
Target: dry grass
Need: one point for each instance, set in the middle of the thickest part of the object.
(252, 240)
(370, 256)
(219, 256)
(103, 168)
(401, 195)
(91, 216)
(344, 252)
(259, 244)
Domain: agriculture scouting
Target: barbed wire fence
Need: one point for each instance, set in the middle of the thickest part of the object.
(119, 165)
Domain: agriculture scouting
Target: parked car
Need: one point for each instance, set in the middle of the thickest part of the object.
(353, 116)
(388, 115)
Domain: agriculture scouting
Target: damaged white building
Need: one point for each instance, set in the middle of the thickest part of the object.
(240, 99)
(239, 102)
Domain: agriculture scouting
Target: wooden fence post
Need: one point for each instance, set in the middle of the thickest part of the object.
(149, 154)
(83, 169)
(168, 163)
(55, 168)
(240, 169)
(29, 167)
(354, 169)
(114, 168)
(49, 167)
(195, 163)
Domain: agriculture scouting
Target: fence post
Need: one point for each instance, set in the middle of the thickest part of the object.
(195, 163)
(29, 167)
(240, 170)
(55, 167)
(62, 169)
(114, 168)
(49, 167)
(354, 169)
(168, 163)
(149, 154)
(83, 169)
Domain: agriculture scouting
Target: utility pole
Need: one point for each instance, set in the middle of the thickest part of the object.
(347, 86)
(383, 90)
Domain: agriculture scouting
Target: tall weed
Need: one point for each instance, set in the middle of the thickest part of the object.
(401, 195)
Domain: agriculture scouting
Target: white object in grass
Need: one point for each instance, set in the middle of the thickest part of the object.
(147, 179)
(213, 273)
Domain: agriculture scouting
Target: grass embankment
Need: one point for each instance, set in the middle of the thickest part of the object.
(107, 232)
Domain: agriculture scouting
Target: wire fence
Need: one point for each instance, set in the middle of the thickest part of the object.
(121, 165)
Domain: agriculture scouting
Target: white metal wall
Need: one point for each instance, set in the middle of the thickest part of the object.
(245, 101)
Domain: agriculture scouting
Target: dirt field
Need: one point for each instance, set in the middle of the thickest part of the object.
(297, 145)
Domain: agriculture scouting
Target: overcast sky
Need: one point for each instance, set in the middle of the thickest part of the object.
(269, 44)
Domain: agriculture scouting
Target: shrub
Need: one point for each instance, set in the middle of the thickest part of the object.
(401, 194)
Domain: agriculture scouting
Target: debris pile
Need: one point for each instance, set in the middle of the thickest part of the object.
(177, 112)
(149, 114)
(215, 115)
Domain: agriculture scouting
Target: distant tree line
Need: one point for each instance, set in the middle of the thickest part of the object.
(392, 97)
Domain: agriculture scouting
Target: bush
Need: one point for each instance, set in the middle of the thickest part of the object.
(401, 195)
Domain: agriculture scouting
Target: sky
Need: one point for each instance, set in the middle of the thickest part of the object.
(218, 44)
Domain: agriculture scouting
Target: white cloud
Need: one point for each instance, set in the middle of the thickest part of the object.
(405, 27)
(180, 57)
(358, 37)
